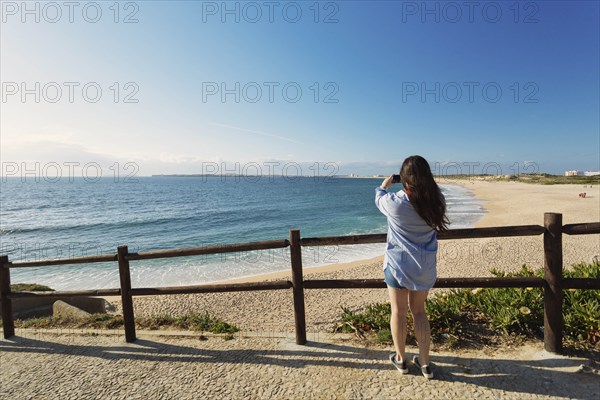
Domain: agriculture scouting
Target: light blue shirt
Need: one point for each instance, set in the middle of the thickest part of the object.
(411, 246)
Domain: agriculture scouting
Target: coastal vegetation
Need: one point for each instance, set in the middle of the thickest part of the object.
(192, 321)
(493, 316)
(201, 322)
(29, 287)
(542, 179)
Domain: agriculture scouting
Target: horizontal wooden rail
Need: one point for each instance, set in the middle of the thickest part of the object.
(488, 232)
(467, 233)
(230, 287)
(495, 282)
(197, 251)
(66, 293)
(228, 248)
(344, 284)
(581, 229)
(63, 261)
(337, 240)
(581, 283)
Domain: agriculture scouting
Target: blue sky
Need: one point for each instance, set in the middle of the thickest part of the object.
(357, 84)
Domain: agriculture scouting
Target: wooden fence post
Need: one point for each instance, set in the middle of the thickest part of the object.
(8, 323)
(553, 295)
(298, 286)
(126, 299)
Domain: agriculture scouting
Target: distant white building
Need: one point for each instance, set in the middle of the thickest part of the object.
(581, 173)
(574, 173)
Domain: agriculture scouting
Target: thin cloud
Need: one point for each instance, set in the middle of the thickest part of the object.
(256, 132)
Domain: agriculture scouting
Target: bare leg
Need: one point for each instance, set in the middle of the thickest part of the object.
(399, 303)
(422, 329)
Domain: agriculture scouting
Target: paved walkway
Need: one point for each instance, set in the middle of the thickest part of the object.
(75, 366)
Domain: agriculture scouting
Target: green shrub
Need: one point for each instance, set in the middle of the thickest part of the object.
(223, 327)
(34, 323)
(446, 313)
(155, 322)
(385, 336)
(105, 321)
(462, 315)
(374, 317)
(29, 287)
(581, 308)
(193, 321)
(513, 310)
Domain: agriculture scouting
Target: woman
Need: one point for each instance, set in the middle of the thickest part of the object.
(415, 215)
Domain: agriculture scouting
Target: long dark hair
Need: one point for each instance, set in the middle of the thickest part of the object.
(425, 195)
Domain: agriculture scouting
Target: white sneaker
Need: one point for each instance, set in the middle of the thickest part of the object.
(400, 366)
(425, 369)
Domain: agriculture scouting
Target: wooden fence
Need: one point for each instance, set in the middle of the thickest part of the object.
(552, 282)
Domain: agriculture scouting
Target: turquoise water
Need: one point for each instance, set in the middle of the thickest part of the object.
(41, 220)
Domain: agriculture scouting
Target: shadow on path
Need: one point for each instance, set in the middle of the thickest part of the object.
(545, 376)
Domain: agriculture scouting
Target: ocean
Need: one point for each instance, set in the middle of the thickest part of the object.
(73, 218)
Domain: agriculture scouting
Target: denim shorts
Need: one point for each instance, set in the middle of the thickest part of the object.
(390, 280)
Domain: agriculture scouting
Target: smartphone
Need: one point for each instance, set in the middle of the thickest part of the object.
(395, 178)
